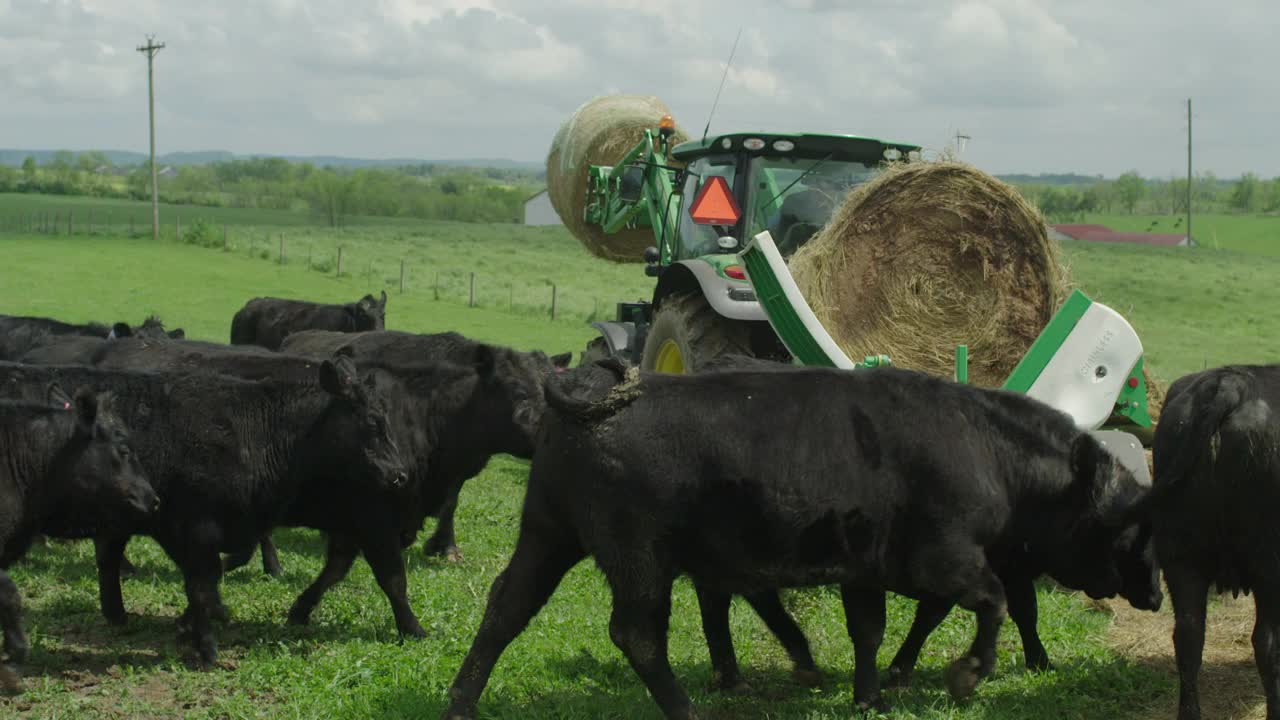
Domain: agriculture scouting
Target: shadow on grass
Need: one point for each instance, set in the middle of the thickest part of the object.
(589, 687)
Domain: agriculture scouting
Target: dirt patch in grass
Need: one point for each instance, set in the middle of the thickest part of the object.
(1229, 684)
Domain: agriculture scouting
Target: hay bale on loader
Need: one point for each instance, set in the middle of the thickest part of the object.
(600, 132)
(931, 255)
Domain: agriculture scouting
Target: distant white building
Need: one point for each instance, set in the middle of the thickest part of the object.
(538, 210)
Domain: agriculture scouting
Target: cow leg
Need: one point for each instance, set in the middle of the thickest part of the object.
(1189, 592)
(442, 541)
(237, 560)
(340, 554)
(382, 552)
(714, 606)
(15, 638)
(1266, 647)
(539, 562)
(930, 612)
(109, 554)
(639, 626)
(981, 593)
(864, 617)
(1021, 595)
(768, 605)
(200, 572)
(270, 561)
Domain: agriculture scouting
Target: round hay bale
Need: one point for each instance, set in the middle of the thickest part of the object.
(600, 132)
(928, 256)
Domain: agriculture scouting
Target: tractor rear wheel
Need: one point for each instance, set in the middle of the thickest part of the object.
(687, 333)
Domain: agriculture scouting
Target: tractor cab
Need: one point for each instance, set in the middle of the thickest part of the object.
(738, 185)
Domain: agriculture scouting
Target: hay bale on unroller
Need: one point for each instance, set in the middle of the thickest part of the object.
(928, 256)
(600, 132)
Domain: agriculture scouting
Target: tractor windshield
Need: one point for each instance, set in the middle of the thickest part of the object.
(793, 197)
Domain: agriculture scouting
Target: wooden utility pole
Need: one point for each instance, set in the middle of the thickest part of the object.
(151, 48)
(1189, 241)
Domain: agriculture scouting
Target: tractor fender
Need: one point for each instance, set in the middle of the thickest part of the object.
(617, 335)
(690, 275)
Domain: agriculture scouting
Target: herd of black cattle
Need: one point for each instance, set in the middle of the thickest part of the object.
(748, 477)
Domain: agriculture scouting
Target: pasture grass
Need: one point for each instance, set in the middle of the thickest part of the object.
(349, 664)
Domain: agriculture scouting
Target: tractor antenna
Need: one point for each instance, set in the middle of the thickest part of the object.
(722, 79)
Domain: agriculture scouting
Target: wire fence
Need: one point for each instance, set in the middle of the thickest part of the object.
(504, 291)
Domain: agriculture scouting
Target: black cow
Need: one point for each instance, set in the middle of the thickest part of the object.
(754, 480)
(229, 458)
(1217, 487)
(520, 374)
(1133, 555)
(267, 321)
(22, 334)
(64, 469)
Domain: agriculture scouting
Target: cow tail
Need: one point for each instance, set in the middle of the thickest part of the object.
(1198, 413)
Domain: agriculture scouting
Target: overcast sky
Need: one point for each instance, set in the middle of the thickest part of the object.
(1091, 86)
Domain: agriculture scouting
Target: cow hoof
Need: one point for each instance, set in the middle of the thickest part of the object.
(117, 619)
(962, 677)
(808, 677)
(1039, 663)
(453, 554)
(730, 686)
(413, 633)
(297, 617)
(876, 707)
(10, 681)
(18, 652)
(897, 678)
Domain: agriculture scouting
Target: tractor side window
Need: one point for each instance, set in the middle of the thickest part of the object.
(702, 239)
(793, 198)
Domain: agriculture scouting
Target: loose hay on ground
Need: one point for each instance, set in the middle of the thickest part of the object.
(600, 132)
(928, 256)
(1229, 683)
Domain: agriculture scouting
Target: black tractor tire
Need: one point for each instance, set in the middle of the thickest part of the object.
(696, 331)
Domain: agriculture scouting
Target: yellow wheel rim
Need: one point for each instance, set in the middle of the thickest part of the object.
(670, 359)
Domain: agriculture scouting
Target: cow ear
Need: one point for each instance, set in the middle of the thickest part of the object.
(1084, 461)
(121, 330)
(178, 334)
(337, 376)
(56, 396)
(86, 407)
(562, 360)
(383, 301)
(485, 360)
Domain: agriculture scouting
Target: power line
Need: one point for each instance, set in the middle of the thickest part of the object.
(151, 48)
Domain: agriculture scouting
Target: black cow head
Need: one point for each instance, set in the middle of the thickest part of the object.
(369, 313)
(1108, 551)
(98, 465)
(358, 424)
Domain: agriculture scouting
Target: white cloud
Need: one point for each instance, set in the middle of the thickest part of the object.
(1090, 86)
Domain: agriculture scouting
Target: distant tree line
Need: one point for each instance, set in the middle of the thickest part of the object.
(427, 191)
(1130, 193)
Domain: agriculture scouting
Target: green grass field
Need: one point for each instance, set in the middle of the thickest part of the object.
(1190, 308)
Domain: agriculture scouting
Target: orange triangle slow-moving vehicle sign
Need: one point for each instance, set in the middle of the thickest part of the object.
(714, 204)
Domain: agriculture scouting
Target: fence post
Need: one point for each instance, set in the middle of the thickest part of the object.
(339, 262)
(224, 237)
(71, 229)
(130, 224)
(90, 228)
(437, 285)
(511, 296)
(281, 248)
(177, 225)
(401, 276)
(472, 301)
(553, 301)
(57, 220)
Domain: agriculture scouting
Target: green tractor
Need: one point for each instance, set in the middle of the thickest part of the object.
(704, 305)
(727, 212)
